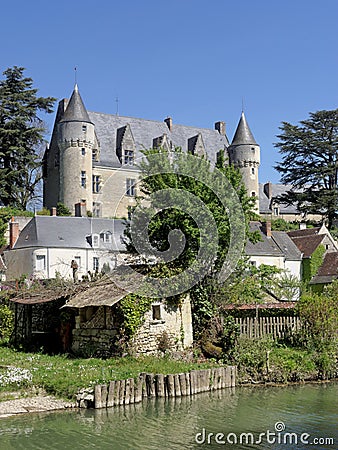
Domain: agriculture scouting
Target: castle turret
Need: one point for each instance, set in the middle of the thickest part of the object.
(244, 153)
(76, 138)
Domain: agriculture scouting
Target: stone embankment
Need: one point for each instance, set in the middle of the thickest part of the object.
(148, 385)
(39, 403)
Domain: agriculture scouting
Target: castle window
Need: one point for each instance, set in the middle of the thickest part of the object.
(253, 194)
(83, 151)
(129, 157)
(276, 211)
(95, 155)
(252, 149)
(252, 171)
(130, 187)
(84, 127)
(96, 209)
(83, 178)
(96, 184)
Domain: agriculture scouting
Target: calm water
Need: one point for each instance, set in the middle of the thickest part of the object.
(173, 424)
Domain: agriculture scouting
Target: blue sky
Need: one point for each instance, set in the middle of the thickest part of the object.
(195, 60)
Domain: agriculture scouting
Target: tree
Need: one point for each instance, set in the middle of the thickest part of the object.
(21, 135)
(310, 163)
(194, 216)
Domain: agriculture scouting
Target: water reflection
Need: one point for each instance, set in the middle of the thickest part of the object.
(173, 423)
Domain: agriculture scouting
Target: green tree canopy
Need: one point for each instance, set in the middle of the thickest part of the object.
(186, 223)
(21, 134)
(310, 162)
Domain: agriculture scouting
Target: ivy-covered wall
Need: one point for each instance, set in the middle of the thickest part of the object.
(312, 264)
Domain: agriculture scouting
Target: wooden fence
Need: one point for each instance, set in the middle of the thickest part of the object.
(259, 327)
(148, 385)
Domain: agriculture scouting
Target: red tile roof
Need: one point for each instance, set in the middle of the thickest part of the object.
(308, 244)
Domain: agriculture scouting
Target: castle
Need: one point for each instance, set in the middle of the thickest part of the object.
(91, 158)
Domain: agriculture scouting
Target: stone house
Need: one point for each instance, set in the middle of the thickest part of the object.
(98, 328)
(47, 245)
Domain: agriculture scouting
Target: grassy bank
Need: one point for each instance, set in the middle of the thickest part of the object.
(63, 376)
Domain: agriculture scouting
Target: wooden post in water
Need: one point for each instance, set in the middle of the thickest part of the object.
(116, 400)
(183, 385)
(97, 397)
(122, 391)
(150, 385)
(110, 397)
(138, 389)
(104, 395)
(170, 385)
(227, 376)
(177, 385)
(159, 385)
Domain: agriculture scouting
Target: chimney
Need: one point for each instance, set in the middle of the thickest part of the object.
(53, 211)
(267, 228)
(220, 127)
(169, 123)
(80, 209)
(268, 189)
(13, 232)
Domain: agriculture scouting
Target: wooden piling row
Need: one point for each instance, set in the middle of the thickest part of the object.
(125, 392)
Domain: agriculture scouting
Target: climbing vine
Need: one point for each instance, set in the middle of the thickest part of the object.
(6, 322)
(133, 309)
(311, 265)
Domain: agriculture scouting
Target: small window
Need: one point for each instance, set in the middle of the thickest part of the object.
(129, 157)
(156, 309)
(96, 184)
(106, 237)
(83, 151)
(84, 127)
(95, 264)
(276, 211)
(40, 262)
(253, 263)
(83, 178)
(253, 194)
(131, 187)
(252, 171)
(96, 209)
(95, 155)
(252, 149)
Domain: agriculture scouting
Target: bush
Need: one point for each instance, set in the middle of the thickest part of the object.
(6, 323)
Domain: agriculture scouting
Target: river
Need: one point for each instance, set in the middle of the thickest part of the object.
(278, 417)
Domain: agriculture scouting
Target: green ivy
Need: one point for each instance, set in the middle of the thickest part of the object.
(133, 309)
(6, 322)
(311, 265)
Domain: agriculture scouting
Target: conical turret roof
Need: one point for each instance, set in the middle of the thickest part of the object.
(243, 133)
(76, 110)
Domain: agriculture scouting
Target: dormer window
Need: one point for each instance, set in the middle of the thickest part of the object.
(129, 157)
(106, 237)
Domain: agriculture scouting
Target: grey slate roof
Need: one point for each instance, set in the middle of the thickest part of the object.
(266, 247)
(279, 244)
(76, 110)
(287, 246)
(68, 232)
(265, 203)
(243, 133)
(144, 131)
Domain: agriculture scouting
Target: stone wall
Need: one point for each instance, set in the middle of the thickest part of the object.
(165, 328)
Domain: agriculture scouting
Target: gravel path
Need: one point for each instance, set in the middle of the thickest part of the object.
(33, 404)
